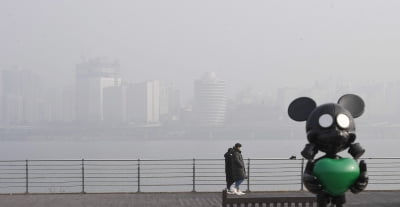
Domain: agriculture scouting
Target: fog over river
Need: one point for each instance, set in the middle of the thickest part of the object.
(173, 149)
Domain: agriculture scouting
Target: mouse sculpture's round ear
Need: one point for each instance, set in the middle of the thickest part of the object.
(353, 103)
(301, 108)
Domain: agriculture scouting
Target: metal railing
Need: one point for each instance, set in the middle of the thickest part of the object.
(82, 176)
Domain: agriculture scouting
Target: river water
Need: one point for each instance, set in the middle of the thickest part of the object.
(172, 149)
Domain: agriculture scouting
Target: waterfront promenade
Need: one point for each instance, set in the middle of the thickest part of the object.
(97, 183)
(364, 199)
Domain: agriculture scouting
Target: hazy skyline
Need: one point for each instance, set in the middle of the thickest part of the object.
(264, 44)
(132, 80)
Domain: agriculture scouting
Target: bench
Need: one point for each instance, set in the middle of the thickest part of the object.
(243, 201)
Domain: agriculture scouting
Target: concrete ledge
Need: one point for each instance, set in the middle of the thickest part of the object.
(213, 199)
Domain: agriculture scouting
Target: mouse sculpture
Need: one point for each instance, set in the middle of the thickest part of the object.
(331, 129)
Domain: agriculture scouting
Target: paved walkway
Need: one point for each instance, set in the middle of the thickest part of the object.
(365, 199)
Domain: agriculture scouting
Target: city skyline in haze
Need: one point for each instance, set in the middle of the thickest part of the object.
(101, 96)
(265, 45)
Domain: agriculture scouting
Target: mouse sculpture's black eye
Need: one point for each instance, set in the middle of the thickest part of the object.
(325, 120)
(343, 121)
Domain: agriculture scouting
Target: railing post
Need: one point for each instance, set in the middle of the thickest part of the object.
(248, 174)
(26, 177)
(194, 175)
(301, 174)
(83, 175)
(138, 175)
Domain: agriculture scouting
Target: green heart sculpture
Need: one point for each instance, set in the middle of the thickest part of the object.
(336, 175)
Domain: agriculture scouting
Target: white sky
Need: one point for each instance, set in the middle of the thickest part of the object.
(265, 43)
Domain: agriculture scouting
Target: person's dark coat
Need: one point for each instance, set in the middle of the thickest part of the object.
(228, 168)
(238, 168)
(228, 162)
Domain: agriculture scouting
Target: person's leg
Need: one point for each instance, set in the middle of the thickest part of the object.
(227, 182)
(237, 184)
(230, 183)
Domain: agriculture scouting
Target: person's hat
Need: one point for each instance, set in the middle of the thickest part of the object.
(237, 145)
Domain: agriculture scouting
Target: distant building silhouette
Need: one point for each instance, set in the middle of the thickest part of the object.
(143, 102)
(169, 102)
(92, 77)
(210, 100)
(22, 98)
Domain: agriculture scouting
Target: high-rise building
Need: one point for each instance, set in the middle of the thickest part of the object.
(169, 102)
(210, 100)
(22, 97)
(59, 105)
(92, 77)
(143, 102)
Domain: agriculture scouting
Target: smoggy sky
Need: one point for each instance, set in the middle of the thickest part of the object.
(264, 43)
